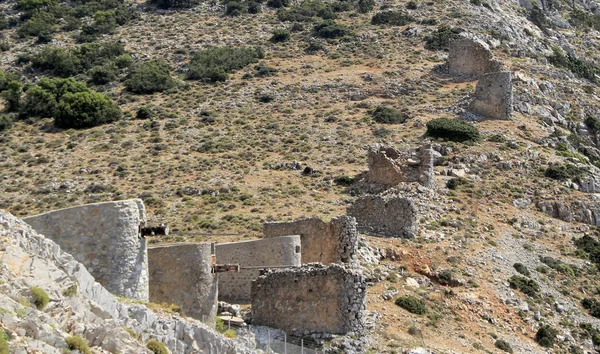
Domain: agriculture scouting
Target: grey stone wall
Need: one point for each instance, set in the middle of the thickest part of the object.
(389, 215)
(278, 251)
(389, 166)
(471, 58)
(104, 238)
(182, 275)
(493, 97)
(310, 299)
(323, 242)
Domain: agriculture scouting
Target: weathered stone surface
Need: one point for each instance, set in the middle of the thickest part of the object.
(385, 215)
(277, 251)
(389, 166)
(104, 238)
(471, 58)
(310, 299)
(323, 242)
(29, 259)
(493, 97)
(182, 275)
(585, 209)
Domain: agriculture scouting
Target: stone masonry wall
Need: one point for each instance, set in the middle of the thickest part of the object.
(391, 216)
(310, 299)
(471, 58)
(104, 238)
(493, 97)
(389, 166)
(278, 251)
(182, 275)
(323, 242)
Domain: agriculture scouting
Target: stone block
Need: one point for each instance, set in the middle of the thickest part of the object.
(471, 58)
(389, 216)
(493, 97)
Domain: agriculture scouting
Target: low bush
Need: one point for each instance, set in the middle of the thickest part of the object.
(276, 4)
(6, 122)
(70, 291)
(41, 23)
(560, 266)
(546, 336)
(263, 70)
(40, 297)
(103, 74)
(503, 345)
(519, 267)
(579, 67)
(157, 347)
(592, 123)
(583, 19)
(392, 18)
(144, 112)
(331, 29)
(78, 343)
(592, 305)
(388, 115)
(412, 304)
(149, 77)
(564, 172)
(280, 35)
(412, 5)
(590, 247)
(5, 78)
(452, 129)
(85, 110)
(455, 183)
(12, 95)
(40, 100)
(366, 6)
(213, 64)
(441, 38)
(525, 285)
(306, 11)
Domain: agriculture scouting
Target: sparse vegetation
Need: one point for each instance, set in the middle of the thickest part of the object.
(525, 285)
(519, 267)
(503, 345)
(412, 304)
(331, 29)
(592, 306)
(392, 18)
(70, 291)
(546, 336)
(78, 343)
(3, 342)
(40, 297)
(572, 63)
(440, 38)
(564, 172)
(149, 77)
(306, 11)
(214, 64)
(157, 347)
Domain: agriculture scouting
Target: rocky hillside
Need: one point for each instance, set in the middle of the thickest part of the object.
(224, 115)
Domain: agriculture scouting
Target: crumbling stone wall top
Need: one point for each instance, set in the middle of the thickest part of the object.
(385, 215)
(311, 299)
(324, 242)
(471, 58)
(389, 166)
(493, 97)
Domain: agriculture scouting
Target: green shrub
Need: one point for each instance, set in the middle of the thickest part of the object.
(412, 5)
(12, 95)
(564, 172)
(592, 123)
(454, 183)
(546, 336)
(5, 122)
(103, 74)
(343, 180)
(330, 29)
(392, 18)
(306, 11)
(70, 291)
(590, 248)
(522, 269)
(85, 110)
(280, 35)
(579, 67)
(213, 64)
(558, 265)
(40, 297)
(157, 347)
(441, 38)
(276, 4)
(452, 129)
(3, 342)
(41, 99)
(592, 305)
(388, 115)
(149, 77)
(366, 6)
(39, 23)
(123, 61)
(78, 343)
(525, 285)
(583, 19)
(144, 112)
(5, 78)
(538, 17)
(31, 5)
(503, 345)
(263, 70)
(412, 304)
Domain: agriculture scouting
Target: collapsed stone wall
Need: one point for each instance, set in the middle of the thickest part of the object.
(389, 166)
(105, 238)
(385, 215)
(471, 58)
(493, 97)
(323, 242)
(311, 299)
(277, 251)
(182, 275)
(92, 312)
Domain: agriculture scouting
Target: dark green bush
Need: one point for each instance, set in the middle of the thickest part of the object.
(276, 4)
(412, 5)
(538, 17)
(123, 61)
(589, 331)
(39, 23)
(280, 35)
(157, 347)
(31, 5)
(5, 122)
(330, 29)
(392, 18)
(263, 70)
(144, 112)
(236, 8)
(454, 183)
(590, 248)
(388, 115)
(560, 266)
(441, 38)
(12, 95)
(452, 129)
(5, 78)
(40, 297)
(85, 110)
(546, 336)
(583, 19)
(343, 180)
(592, 123)
(78, 343)
(41, 99)
(564, 172)
(149, 77)
(579, 67)
(503, 345)
(306, 11)
(103, 74)
(522, 269)
(525, 285)
(592, 305)
(366, 6)
(213, 64)
(412, 304)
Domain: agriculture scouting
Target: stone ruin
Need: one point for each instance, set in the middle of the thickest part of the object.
(389, 166)
(389, 215)
(323, 242)
(493, 97)
(311, 299)
(254, 255)
(182, 274)
(471, 58)
(104, 237)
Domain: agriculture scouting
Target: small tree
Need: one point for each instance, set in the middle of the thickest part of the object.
(84, 110)
(546, 336)
(149, 77)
